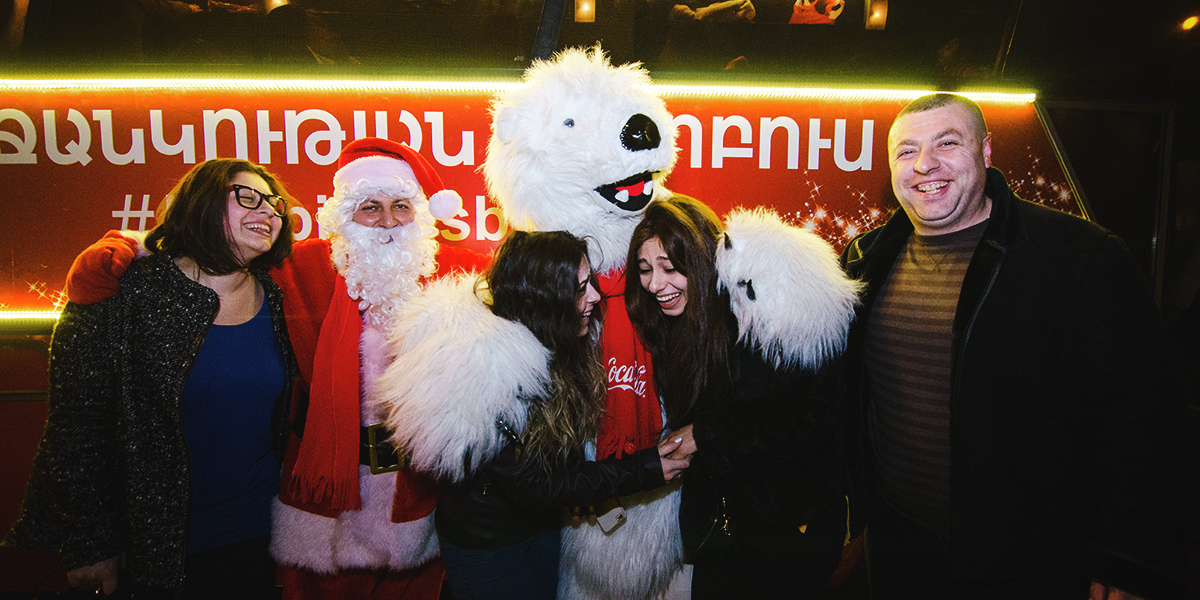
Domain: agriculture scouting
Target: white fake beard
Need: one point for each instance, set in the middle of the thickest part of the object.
(382, 267)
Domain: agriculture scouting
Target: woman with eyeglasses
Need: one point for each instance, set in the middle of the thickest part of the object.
(168, 404)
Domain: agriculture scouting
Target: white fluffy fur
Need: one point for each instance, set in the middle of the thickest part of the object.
(804, 302)
(634, 562)
(357, 539)
(544, 173)
(474, 368)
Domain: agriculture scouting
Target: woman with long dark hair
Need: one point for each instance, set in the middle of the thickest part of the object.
(168, 404)
(742, 324)
(505, 421)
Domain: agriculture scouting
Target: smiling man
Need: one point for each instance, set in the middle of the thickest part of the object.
(1013, 415)
(350, 522)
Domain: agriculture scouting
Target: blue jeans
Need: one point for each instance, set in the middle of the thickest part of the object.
(524, 571)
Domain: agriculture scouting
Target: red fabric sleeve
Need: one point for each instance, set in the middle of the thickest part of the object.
(95, 275)
(307, 279)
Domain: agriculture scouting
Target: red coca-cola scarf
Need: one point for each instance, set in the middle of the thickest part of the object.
(633, 418)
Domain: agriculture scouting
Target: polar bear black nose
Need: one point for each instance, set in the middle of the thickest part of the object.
(640, 133)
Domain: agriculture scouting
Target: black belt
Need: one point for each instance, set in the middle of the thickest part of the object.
(375, 451)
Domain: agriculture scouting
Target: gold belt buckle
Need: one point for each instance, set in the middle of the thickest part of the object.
(373, 438)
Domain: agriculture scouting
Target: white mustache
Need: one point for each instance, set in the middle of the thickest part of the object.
(384, 236)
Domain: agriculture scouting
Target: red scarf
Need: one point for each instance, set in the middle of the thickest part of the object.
(633, 417)
(326, 469)
(321, 469)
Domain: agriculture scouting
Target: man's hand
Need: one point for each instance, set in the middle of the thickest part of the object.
(1103, 592)
(101, 576)
(95, 273)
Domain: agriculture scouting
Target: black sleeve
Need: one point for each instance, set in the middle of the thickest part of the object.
(770, 442)
(1138, 414)
(582, 483)
(72, 500)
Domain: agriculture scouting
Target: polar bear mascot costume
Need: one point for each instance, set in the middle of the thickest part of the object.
(446, 389)
(584, 146)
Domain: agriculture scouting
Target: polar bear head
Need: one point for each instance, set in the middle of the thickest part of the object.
(582, 146)
(789, 294)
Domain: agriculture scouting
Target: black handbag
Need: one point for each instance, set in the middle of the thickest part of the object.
(705, 525)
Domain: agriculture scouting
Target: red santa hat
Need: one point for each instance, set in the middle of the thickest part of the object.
(373, 159)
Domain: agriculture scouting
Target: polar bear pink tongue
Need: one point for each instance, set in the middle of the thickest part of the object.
(634, 190)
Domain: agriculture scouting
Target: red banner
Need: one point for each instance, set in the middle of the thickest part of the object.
(77, 161)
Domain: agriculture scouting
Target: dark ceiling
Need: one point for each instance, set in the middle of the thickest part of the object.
(1096, 50)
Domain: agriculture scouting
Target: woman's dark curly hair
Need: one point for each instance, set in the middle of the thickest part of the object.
(534, 280)
(194, 224)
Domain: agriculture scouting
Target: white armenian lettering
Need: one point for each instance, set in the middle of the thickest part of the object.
(465, 156)
(185, 146)
(214, 118)
(332, 136)
(19, 145)
(77, 151)
(23, 144)
(137, 148)
(742, 145)
(816, 143)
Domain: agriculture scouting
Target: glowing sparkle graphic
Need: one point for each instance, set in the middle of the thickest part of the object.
(854, 212)
(57, 298)
(1038, 186)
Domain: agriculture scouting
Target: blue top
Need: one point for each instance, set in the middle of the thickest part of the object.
(227, 406)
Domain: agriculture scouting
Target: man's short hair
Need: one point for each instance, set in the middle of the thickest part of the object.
(940, 99)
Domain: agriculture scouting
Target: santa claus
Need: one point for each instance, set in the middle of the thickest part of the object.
(350, 521)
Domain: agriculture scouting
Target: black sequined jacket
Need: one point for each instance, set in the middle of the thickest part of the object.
(112, 474)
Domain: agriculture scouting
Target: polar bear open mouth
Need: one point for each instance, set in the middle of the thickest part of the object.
(631, 194)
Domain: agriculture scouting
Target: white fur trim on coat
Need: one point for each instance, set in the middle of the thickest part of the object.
(803, 303)
(456, 369)
(357, 539)
(635, 562)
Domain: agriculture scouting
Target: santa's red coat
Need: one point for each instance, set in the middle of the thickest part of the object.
(308, 280)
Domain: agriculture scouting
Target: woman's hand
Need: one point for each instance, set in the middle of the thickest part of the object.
(101, 576)
(673, 465)
(685, 444)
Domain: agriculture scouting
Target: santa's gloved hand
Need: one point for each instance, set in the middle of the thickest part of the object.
(95, 275)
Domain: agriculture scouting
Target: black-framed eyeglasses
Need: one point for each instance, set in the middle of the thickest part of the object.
(250, 198)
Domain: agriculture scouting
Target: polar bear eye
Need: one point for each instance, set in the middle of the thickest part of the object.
(749, 285)
(569, 122)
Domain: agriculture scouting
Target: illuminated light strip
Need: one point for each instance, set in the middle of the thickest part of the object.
(488, 87)
(30, 314)
(830, 93)
(51, 85)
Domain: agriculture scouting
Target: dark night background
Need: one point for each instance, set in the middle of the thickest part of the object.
(1120, 81)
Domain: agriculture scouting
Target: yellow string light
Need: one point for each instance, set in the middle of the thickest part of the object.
(484, 87)
(49, 315)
